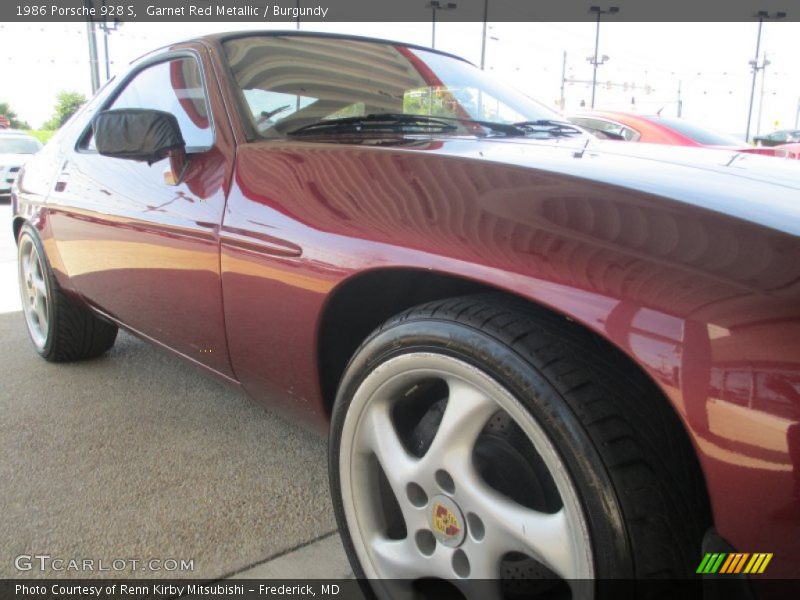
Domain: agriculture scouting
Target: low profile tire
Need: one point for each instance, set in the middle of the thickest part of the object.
(60, 328)
(475, 438)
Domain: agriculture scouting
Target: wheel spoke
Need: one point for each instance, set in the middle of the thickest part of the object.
(32, 260)
(400, 467)
(39, 285)
(511, 527)
(397, 559)
(40, 309)
(381, 438)
(26, 268)
(465, 416)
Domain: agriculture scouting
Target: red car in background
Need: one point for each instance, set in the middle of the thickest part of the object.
(655, 129)
(787, 150)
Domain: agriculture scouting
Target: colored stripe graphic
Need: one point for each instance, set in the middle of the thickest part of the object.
(703, 563)
(728, 563)
(717, 563)
(749, 568)
(733, 563)
(767, 558)
(711, 563)
(740, 564)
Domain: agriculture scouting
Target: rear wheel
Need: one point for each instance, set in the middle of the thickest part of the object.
(473, 439)
(60, 328)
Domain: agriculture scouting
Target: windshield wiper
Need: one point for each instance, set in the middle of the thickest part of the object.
(549, 126)
(412, 123)
(377, 123)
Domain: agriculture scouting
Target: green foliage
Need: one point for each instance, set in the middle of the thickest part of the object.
(67, 103)
(7, 112)
(43, 135)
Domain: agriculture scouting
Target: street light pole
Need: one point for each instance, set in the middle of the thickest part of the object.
(755, 74)
(485, 25)
(435, 5)
(106, 32)
(797, 114)
(598, 11)
(762, 16)
(764, 66)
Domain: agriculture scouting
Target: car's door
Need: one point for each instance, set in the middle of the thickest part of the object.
(139, 246)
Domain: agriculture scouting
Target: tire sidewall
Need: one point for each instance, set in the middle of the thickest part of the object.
(601, 508)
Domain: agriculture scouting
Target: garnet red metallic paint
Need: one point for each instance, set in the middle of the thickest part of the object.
(245, 256)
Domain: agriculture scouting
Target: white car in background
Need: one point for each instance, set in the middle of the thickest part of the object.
(16, 147)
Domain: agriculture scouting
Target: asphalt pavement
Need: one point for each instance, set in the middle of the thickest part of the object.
(136, 455)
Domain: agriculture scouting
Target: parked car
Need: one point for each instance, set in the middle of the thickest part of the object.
(655, 129)
(787, 151)
(15, 148)
(776, 138)
(537, 354)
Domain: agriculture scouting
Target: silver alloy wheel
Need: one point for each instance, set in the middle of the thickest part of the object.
(34, 292)
(446, 475)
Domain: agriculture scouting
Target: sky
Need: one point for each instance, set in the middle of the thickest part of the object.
(709, 62)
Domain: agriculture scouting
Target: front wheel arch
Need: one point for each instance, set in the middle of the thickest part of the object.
(483, 310)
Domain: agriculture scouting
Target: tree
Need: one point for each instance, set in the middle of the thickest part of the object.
(67, 103)
(16, 123)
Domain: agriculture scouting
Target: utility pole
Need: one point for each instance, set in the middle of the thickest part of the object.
(483, 39)
(611, 10)
(764, 66)
(92, 39)
(680, 101)
(762, 15)
(435, 5)
(563, 101)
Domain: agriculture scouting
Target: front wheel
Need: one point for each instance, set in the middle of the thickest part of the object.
(474, 440)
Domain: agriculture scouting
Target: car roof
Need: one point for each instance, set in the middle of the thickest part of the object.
(221, 38)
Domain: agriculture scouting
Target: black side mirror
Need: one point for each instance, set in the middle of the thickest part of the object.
(137, 134)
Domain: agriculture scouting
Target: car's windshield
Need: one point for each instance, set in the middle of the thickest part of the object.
(288, 82)
(18, 145)
(701, 135)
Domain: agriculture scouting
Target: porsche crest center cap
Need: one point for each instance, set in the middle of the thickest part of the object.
(447, 522)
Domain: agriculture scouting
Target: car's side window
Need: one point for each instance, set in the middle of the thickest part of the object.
(629, 134)
(174, 86)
